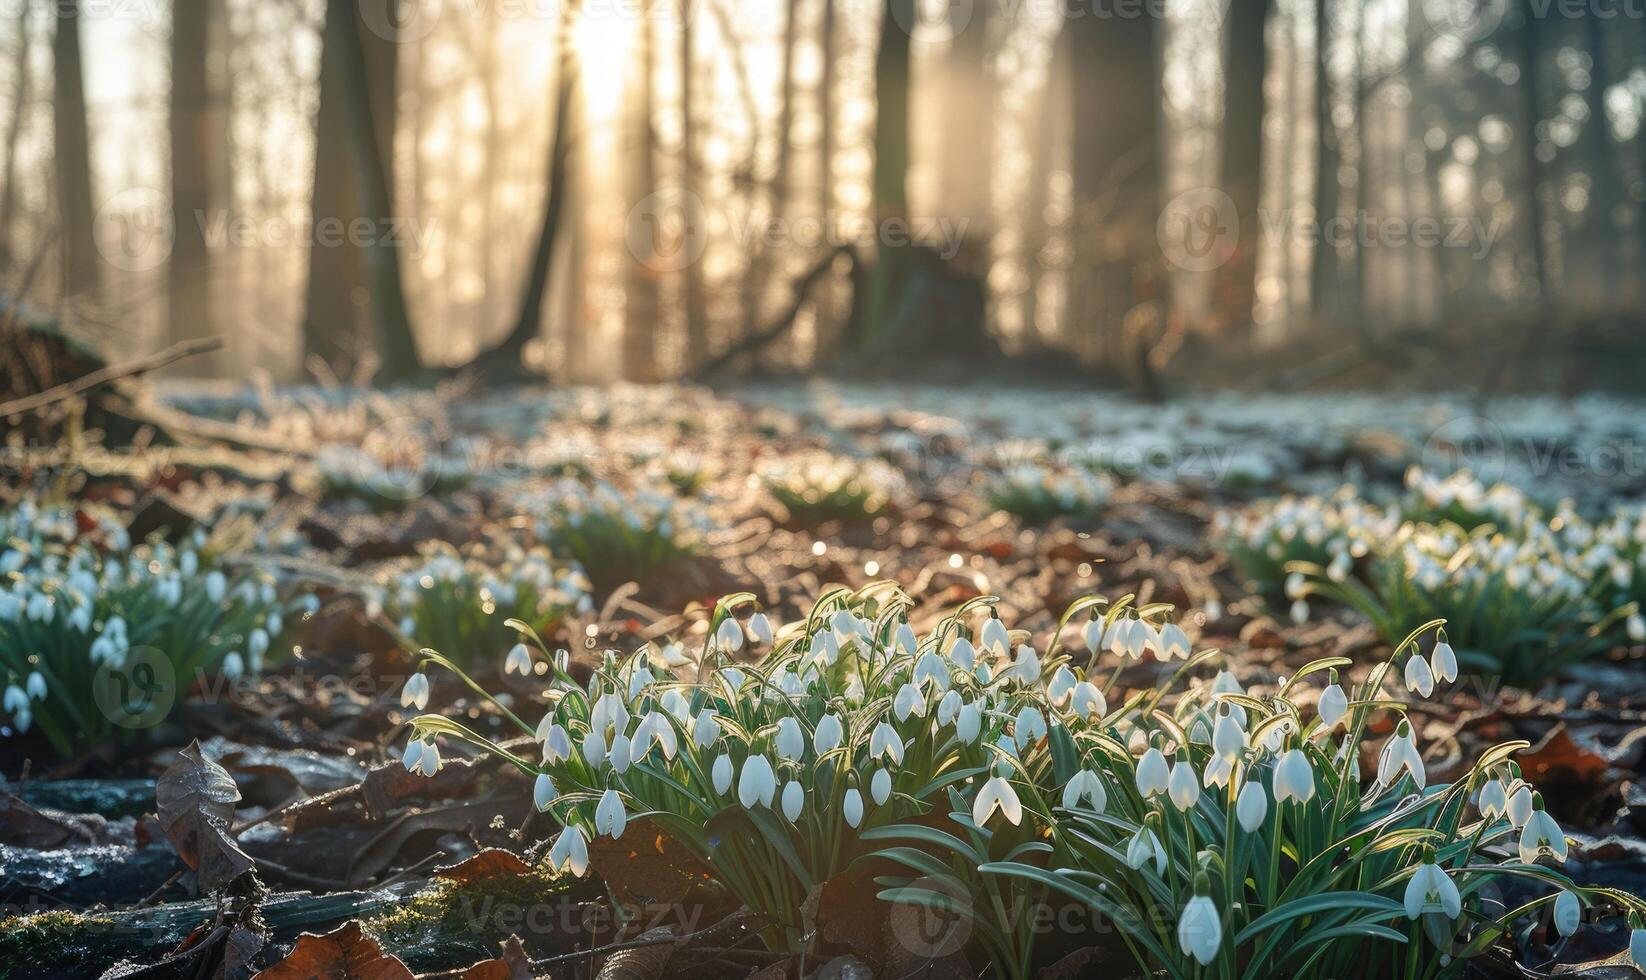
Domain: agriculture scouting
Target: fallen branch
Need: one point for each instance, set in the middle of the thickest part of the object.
(103, 376)
(784, 320)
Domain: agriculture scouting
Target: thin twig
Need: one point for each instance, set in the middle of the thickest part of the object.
(113, 372)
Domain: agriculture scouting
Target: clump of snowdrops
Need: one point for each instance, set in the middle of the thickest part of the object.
(1332, 532)
(388, 474)
(1459, 498)
(1222, 832)
(461, 604)
(71, 612)
(618, 537)
(819, 487)
(1035, 493)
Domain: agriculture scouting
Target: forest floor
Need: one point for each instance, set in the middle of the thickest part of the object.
(339, 494)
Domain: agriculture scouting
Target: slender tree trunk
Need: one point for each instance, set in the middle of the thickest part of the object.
(1037, 232)
(1528, 51)
(72, 156)
(757, 277)
(1325, 284)
(877, 305)
(1595, 275)
(697, 317)
(1116, 168)
(505, 358)
(193, 145)
(640, 311)
(1246, 66)
(14, 130)
(968, 128)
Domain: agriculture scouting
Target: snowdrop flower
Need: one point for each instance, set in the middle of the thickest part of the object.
(655, 727)
(852, 807)
(1026, 668)
(1340, 566)
(757, 783)
(1128, 638)
(570, 850)
(1300, 612)
(1294, 778)
(519, 661)
(794, 799)
(639, 681)
(963, 654)
(824, 648)
(609, 713)
(760, 628)
(543, 791)
(1094, 636)
(1568, 913)
(884, 740)
(594, 749)
(706, 729)
(217, 586)
(1443, 662)
(994, 637)
(948, 708)
(729, 637)
(1087, 701)
(997, 793)
(906, 640)
(1400, 754)
(1145, 847)
(36, 686)
(721, 774)
(1225, 683)
(620, 754)
(557, 744)
(790, 742)
(909, 701)
(415, 694)
(1334, 704)
(80, 618)
(1228, 738)
(411, 758)
(1183, 786)
(233, 665)
(968, 724)
(1152, 774)
(1420, 680)
(828, 734)
(930, 669)
(609, 815)
(1218, 772)
(1087, 784)
(428, 763)
(1251, 806)
(1637, 944)
(1519, 808)
(880, 787)
(1030, 727)
(1173, 642)
(1541, 836)
(1432, 890)
(1635, 626)
(40, 608)
(1199, 930)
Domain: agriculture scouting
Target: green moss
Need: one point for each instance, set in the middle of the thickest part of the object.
(30, 943)
(448, 924)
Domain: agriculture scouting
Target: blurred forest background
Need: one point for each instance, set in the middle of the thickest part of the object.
(658, 189)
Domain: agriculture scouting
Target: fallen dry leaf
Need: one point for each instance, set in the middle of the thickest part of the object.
(345, 953)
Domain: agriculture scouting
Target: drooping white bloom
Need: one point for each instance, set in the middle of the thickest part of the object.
(557, 744)
(994, 637)
(519, 661)
(570, 851)
(1420, 680)
(1200, 930)
(757, 783)
(411, 758)
(906, 640)
(852, 807)
(257, 642)
(884, 740)
(429, 762)
(1400, 754)
(36, 686)
(880, 787)
(706, 729)
(654, 728)
(720, 774)
(963, 654)
(1183, 785)
(1152, 774)
(594, 749)
(1094, 636)
(1519, 808)
(1443, 662)
(760, 628)
(610, 713)
(620, 754)
(909, 701)
(1219, 771)
(1494, 799)
(1228, 738)
(1432, 890)
(415, 693)
(1635, 626)
(1300, 611)
(794, 799)
(233, 665)
(729, 637)
(1542, 837)
(828, 734)
(1087, 784)
(1026, 668)
(1061, 685)
(609, 815)
(639, 681)
(1087, 701)
(1334, 704)
(825, 648)
(1294, 778)
(1173, 642)
(217, 586)
(948, 708)
(1637, 947)
(1568, 913)
(543, 791)
(1225, 683)
(931, 670)
(790, 742)
(1251, 806)
(997, 793)
(968, 724)
(1143, 848)
(1030, 727)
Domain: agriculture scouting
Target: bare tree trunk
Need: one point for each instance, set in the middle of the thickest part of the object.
(697, 319)
(1530, 57)
(1323, 289)
(968, 129)
(1595, 273)
(14, 130)
(640, 311)
(193, 146)
(505, 358)
(72, 156)
(757, 277)
(1246, 66)
(877, 305)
